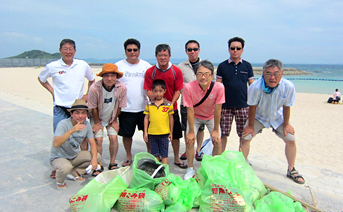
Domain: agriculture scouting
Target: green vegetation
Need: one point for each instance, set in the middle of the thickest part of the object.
(36, 54)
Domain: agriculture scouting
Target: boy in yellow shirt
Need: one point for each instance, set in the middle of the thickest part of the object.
(158, 122)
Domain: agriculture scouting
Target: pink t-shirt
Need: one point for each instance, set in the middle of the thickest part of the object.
(192, 94)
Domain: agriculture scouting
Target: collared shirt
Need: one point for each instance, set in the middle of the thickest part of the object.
(173, 82)
(269, 110)
(159, 117)
(95, 98)
(188, 73)
(235, 78)
(193, 93)
(68, 81)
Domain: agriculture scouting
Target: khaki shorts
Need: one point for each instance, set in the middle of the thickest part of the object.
(110, 131)
(258, 127)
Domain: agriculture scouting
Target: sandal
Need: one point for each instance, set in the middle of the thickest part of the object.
(127, 163)
(112, 166)
(97, 172)
(295, 176)
(78, 178)
(181, 165)
(61, 186)
(53, 174)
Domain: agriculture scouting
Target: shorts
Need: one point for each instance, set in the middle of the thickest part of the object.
(183, 113)
(241, 116)
(208, 123)
(128, 122)
(110, 131)
(177, 130)
(258, 127)
(159, 145)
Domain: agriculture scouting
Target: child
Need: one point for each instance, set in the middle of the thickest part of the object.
(158, 122)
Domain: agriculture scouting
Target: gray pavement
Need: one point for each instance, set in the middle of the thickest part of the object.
(26, 137)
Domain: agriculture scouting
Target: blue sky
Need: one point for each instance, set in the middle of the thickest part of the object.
(293, 31)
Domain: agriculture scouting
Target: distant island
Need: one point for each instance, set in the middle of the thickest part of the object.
(286, 71)
(36, 54)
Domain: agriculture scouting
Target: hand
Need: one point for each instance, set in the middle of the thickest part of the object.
(248, 130)
(215, 136)
(190, 138)
(170, 137)
(146, 137)
(115, 126)
(97, 127)
(78, 127)
(90, 168)
(288, 129)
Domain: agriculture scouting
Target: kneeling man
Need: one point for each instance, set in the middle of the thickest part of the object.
(203, 100)
(270, 99)
(66, 157)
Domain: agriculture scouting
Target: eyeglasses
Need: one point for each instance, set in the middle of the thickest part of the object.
(194, 49)
(162, 55)
(276, 74)
(68, 49)
(199, 74)
(130, 50)
(233, 48)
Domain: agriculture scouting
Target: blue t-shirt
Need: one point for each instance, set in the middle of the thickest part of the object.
(235, 79)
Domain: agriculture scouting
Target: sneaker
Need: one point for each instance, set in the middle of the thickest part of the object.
(189, 174)
(183, 156)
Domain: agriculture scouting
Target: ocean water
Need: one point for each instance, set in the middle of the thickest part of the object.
(324, 79)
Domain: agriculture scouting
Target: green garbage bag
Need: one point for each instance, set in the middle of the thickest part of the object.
(139, 200)
(147, 171)
(96, 196)
(276, 201)
(231, 183)
(201, 176)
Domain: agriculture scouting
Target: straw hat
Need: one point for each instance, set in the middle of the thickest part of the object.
(110, 68)
(79, 104)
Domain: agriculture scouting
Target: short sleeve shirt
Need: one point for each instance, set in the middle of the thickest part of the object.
(159, 117)
(235, 78)
(70, 148)
(192, 94)
(269, 109)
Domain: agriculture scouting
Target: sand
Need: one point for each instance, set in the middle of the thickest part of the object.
(318, 127)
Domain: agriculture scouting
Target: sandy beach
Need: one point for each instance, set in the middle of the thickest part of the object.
(319, 137)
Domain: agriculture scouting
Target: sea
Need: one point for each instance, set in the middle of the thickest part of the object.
(324, 78)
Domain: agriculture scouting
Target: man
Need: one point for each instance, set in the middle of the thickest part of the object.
(207, 113)
(234, 73)
(192, 48)
(68, 76)
(132, 115)
(65, 155)
(106, 98)
(270, 99)
(172, 76)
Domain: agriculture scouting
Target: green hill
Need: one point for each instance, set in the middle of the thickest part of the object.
(36, 54)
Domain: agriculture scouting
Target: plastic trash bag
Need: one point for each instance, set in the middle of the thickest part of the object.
(276, 201)
(231, 183)
(147, 171)
(139, 200)
(206, 147)
(101, 193)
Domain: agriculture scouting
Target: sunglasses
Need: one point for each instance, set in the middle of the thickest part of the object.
(130, 50)
(190, 49)
(233, 48)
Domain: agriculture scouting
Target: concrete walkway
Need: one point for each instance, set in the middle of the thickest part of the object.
(26, 137)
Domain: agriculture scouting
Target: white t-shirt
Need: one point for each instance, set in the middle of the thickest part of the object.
(108, 99)
(68, 81)
(133, 78)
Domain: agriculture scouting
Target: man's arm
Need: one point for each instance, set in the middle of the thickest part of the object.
(150, 95)
(115, 124)
(219, 80)
(190, 137)
(85, 96)
(217, 114)
(250, 81)
(249, 129)
(94, 151)
(287, 128)
(97, 124)
(175, 97)
(59, 140)
(48, 87)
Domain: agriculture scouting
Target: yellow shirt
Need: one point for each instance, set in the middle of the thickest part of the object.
(159, 117)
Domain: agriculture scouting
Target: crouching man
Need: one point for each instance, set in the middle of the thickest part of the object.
(203, 100)
(66, 156)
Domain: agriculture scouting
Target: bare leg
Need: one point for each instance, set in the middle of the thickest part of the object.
(217, 147)
(224, 140)
(127, 146)
(165, 160)
(200, 139)
(98, 142)
(245, 147)
(113, 148)
(190, 153)
(176, 148)
(290, 151)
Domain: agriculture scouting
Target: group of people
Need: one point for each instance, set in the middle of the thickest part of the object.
(132, 93)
